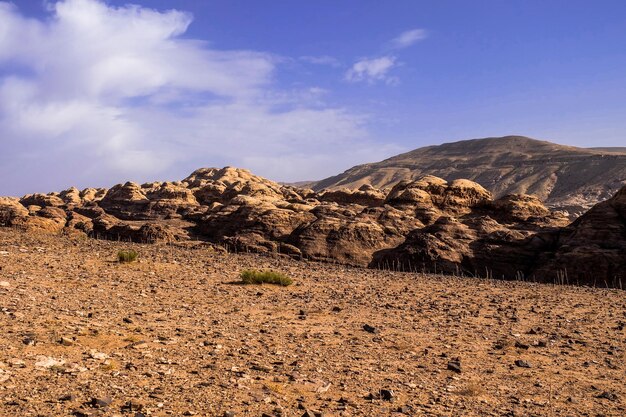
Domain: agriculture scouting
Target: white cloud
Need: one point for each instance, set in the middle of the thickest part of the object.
(408, 38)
(372, 69)
(321, 60)
(95, 94)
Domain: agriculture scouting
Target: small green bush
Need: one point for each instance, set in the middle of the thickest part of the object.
(251, 276)
(126, 256)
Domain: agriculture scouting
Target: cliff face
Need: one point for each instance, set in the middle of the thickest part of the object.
(427, 224)
(561, 176)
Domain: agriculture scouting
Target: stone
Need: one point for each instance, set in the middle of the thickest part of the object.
(454, 366)
(66, 341)
(387, 395)
(47, 362)
(521, 345)
(522, 363)
(608, 395)
(67, 398)
(133, 405)
(370, 329)
(100, 402)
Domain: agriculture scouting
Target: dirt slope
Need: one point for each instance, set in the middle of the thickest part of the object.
(561, 176)
(174, 335)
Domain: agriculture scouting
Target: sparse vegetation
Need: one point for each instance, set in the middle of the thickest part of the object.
(127, 256)
(252, 276)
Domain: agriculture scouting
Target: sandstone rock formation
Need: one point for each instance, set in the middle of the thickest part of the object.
(563, 177)
(592, 249)
(427, 224)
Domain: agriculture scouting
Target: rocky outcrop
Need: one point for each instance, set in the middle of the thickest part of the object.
(426, 224)
(10, 210)
(592, 250)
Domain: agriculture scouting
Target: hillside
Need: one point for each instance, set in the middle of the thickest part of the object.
(561, 176)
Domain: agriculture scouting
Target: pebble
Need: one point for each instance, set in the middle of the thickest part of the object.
(522, 363)
(607, 395)
(66, 341)
(47, 362)
(17, 363)
(100, 402)
(370, 329)
(454, 366)
(387, 394)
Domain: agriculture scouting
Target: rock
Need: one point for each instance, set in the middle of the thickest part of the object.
(48, 362)
(42, 200)
(17, 363)
(387, 395)
(133, 405)
(100, 402)
(522, 363)
(425, 224)
(94, 354)
(66, 341)
(608, 395)
(454, 366)
(592, 250)
(10, 210)
(520, 207)
(521, 345)
(370, 329)
(369, 197)
(404, 409)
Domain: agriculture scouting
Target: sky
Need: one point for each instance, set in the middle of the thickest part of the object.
(94, 92)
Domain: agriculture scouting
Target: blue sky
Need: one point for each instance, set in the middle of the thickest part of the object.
(93, 93)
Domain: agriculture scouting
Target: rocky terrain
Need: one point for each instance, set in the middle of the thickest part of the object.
(565, 177)
(175, 334)
(424, 225)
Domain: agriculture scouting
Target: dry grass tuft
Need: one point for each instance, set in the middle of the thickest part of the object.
(251, 276)
(127, 256)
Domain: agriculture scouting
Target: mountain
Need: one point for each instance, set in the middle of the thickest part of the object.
(565, 177)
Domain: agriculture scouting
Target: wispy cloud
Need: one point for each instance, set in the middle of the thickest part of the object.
(321, 60)
(372, 69)
(408, 38)
(95, 94)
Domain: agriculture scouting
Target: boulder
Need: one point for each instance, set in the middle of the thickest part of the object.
(42, 200)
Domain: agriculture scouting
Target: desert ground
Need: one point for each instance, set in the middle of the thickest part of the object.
(175, 333)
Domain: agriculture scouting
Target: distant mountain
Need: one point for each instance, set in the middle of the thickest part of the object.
(619, 150)
(562, 176)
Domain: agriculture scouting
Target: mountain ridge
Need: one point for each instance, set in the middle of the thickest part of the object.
(562, 176)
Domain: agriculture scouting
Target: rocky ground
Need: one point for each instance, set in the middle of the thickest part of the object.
(175, 334)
